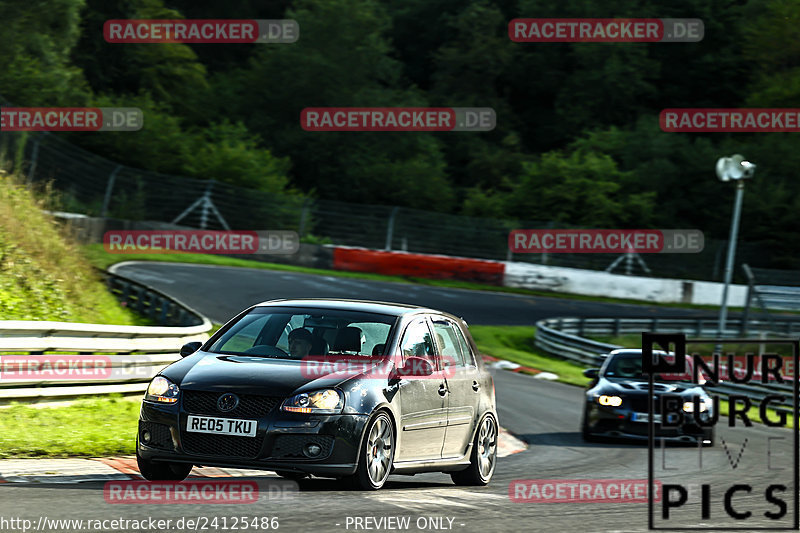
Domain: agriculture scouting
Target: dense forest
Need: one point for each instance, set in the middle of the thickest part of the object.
(577, 138)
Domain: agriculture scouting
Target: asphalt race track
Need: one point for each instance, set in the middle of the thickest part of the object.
(222, 292)
(544, 414)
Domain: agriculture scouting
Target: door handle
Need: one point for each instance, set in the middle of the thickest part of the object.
(442, 390)
(476, 386)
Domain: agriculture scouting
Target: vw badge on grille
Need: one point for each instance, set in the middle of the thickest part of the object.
(227, 402)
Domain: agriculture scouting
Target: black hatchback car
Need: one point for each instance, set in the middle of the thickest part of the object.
(616, 403)
(348, 389)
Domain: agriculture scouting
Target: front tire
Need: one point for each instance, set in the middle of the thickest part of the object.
(585, 433)
(376, 456)
(483, 458)
(161, 471)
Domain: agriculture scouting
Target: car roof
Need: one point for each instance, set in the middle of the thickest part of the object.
(368, 306)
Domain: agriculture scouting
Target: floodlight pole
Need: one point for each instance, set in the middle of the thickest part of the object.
(737, 210)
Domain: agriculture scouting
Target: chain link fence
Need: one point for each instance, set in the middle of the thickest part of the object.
(94, 185)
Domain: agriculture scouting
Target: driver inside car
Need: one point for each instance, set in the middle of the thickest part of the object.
(300, 341)
(628, 368)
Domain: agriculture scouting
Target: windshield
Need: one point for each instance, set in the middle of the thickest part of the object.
(625, 366)
(292, 333)
(629, 366)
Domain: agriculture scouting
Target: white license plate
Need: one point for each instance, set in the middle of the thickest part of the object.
(221, 426)
(645, 417)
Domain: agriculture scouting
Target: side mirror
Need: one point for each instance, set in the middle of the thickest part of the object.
(591, 373)
(413, 367)
(190, 347)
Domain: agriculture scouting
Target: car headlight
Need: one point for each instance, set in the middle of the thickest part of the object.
(613, 401)
(705, 404)
(328, 401)
(162, 390)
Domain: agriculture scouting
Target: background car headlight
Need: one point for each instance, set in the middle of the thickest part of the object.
(613, 401)
(705, 403)
(328, 401)
(162, 390)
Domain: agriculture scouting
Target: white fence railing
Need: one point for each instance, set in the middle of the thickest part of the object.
(49, 360)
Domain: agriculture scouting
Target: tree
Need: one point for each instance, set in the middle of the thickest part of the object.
(36, 37)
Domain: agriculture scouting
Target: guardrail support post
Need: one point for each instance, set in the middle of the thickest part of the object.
(162, 320)
(34, 160)
(109, 187)
(390, 229)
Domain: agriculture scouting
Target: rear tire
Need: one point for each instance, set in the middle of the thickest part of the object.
(161, 471)
(483, 459)
(376, 456)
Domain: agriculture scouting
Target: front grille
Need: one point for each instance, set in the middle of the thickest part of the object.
(639, 403)
(291, 446)
(221, 445)
(250, 405)
(160, 437)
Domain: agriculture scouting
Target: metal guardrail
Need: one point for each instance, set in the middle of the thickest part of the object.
(154, 304)
(133, 354)
(564, 338)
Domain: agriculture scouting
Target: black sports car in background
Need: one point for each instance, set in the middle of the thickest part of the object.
(616, 403)
(268, 391)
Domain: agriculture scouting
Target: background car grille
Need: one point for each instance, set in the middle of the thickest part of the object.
(160, 436)
(639, 404)
(291, 446)
(221, 445)
(250, 405)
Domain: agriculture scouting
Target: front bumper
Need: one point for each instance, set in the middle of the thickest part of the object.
(278, 444)
(619, 422)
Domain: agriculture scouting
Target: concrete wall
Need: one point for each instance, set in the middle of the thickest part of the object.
(596, 283)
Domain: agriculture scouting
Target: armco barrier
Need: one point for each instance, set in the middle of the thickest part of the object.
(136, 353)
(418, 265)
(563, 337)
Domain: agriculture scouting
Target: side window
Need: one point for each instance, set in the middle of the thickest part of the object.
(448, 343)
(469, 358)
(418, 342)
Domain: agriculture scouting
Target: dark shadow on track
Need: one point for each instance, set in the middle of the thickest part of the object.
(575, 440)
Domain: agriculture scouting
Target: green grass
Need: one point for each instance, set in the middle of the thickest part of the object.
(90, 427)
(515, 344)
(97, 255)
(43, 274)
